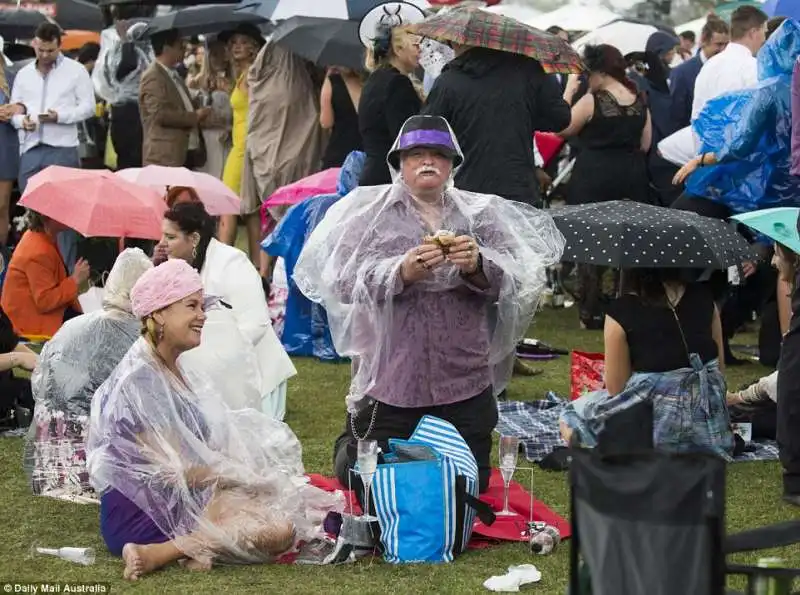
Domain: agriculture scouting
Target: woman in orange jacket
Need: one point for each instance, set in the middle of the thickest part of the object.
(38, 296)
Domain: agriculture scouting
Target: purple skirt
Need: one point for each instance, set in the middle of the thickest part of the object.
(121, 522)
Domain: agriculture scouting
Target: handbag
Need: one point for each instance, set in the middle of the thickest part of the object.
(586, 373)
(426, 495)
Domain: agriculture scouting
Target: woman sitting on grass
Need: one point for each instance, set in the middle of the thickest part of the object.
(73, 364)
(663, 345)
(180, 475)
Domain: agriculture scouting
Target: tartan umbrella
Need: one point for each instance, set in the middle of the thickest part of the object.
(479, 28)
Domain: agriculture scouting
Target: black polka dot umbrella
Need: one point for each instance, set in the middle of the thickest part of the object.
(626, 234)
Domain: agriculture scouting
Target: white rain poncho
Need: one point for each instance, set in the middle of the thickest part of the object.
(72, 365)
(104, 75)
(351, 265)
(221, 483)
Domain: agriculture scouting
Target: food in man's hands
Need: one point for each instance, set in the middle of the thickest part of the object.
(442, 238)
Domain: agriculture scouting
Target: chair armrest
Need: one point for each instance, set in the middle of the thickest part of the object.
(760, 571)
(778, 535)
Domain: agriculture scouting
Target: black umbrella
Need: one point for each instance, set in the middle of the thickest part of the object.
(172, 2)
(21, 24)
(624, 234)
(198, 20)
(326, 42)
(79, 14)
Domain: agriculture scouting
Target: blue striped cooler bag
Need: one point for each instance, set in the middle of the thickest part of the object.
(426, 495)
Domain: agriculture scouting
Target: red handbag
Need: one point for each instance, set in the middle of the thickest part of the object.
(586, 373)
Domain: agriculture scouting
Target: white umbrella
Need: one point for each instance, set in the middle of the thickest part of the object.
(696, 26)
(523, 14)
(575, 18)
(626, 36)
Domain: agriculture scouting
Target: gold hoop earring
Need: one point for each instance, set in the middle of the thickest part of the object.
(194, 253)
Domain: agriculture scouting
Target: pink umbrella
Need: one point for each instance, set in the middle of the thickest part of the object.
(216, 196)
(323, 182)
(95, 203)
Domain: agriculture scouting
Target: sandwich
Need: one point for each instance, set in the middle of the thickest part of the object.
(442, 238)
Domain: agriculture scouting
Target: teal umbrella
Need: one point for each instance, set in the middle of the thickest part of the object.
(779, 224)
(725, 9)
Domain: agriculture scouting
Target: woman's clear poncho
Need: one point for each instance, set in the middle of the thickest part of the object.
(104, 75)
(216, 481)
(72, 365)
(351, 265)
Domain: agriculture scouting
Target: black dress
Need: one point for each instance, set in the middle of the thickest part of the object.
(14, 392)
(345, 136)
(611, 164)
(654, 336)
(387, 101)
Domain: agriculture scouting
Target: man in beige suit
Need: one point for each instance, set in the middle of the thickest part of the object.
(170, 121)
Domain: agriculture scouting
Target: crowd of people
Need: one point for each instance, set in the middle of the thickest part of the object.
(425, 268)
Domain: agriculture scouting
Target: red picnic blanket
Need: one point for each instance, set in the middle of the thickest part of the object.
(511, 528)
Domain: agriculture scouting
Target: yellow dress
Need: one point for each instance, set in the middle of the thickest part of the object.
(240, 104)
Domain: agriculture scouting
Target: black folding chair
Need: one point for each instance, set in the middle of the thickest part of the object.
(654, 524)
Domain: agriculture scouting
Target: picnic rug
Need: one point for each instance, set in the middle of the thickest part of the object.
(536, 425)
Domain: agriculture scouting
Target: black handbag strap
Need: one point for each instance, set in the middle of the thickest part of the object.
(482, 509)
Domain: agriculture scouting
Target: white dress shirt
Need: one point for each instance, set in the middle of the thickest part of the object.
(67, 89)
(733, 69)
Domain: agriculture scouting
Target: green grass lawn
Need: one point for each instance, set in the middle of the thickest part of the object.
(316, 413)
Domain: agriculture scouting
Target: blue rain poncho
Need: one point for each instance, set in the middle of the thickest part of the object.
(306, 331)
(749, 131)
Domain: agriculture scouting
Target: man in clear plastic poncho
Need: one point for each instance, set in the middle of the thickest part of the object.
(431, 318)
(73, 364)
(181, 476)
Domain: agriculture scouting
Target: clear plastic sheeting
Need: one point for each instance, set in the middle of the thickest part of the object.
(104, 76)
(72, 365)
(750, 133)
(351, 265)
(227, 486)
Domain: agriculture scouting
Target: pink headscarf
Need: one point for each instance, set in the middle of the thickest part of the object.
(164, 285)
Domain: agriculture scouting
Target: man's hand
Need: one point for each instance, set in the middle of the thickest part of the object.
(464, 254)
(748, 269)
(544, 180)
(81, 272)
(202, 114)
(419, 262)
(10, 110)
(28, 124)
(51, 117)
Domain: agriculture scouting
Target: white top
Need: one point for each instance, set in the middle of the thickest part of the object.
(733, 69)
(239, 350)
(67, 89)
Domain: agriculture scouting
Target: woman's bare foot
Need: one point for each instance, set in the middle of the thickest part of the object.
(135, 561)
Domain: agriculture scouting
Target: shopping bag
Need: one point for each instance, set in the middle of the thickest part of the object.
(426, 495)
(586, 373)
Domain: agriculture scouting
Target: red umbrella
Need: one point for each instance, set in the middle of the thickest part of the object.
(95, 203)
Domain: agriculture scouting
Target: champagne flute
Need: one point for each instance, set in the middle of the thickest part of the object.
(367, 464)
(509, 449)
